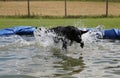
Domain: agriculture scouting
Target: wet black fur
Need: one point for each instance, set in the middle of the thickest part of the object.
(68, 33)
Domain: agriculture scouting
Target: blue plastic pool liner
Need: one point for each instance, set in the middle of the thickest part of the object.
(19, 30)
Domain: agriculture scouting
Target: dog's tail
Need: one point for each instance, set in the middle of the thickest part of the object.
(83, 32)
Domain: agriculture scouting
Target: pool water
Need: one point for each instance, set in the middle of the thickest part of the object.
(26, 57)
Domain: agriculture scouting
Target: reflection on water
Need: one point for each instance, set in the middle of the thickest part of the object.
(69, 64)
(21, 57)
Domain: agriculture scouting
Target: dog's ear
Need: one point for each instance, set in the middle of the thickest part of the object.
(82, 32)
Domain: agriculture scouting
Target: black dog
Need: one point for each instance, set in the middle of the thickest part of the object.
(68, 33)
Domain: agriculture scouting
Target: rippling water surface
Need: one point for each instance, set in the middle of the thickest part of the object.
(23, 57)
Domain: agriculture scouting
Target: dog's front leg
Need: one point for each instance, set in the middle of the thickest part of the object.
(71, 42)
(81, 44)
(64, 44)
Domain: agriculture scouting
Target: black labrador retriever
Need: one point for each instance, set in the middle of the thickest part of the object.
(67, 34)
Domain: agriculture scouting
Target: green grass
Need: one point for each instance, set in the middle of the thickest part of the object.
(48, 22)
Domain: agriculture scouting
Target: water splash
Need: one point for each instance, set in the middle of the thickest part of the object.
(13, 41)
(94, 35)
(44, 39)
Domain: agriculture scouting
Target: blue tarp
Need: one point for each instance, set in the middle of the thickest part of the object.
(19, 30)
(111, 34)
(108, 33)
(28, 30)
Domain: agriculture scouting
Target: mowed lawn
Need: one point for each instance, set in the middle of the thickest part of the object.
(51, 22)
(57, 8)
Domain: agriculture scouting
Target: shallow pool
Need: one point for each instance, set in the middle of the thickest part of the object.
(23, 57)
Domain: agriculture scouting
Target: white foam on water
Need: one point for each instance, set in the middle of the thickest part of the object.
(94, 35)
(14, 41)
(45, 40)
(42, 38)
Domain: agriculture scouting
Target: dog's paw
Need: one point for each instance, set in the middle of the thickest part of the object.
(81, 44)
